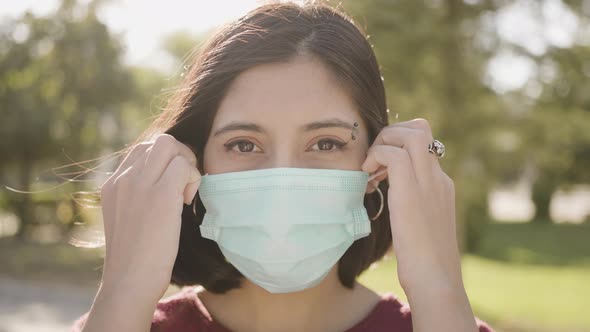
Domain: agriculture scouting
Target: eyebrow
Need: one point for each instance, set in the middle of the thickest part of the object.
(249, 126)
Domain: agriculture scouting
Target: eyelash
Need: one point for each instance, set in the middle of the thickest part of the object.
(339, 146)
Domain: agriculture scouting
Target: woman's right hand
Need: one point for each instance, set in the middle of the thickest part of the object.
(142, 205)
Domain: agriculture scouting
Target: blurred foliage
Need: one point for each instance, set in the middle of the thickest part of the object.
(434, 57)
(180, 45)
(62, 80)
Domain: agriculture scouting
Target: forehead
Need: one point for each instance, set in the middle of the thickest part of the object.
(286, 95)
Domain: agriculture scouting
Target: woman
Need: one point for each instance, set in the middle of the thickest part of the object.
(279, 146)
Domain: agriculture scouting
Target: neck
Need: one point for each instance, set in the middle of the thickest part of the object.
(252, 308)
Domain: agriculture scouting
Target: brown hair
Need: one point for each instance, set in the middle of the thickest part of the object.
(272, 33)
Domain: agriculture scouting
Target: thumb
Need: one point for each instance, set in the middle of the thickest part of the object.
(190, 191)
(193, 185)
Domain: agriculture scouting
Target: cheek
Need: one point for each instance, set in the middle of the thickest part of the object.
(363, 151)
(361, 159)
(209, 160)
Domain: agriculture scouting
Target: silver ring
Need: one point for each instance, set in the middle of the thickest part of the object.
(437, 148)
(382, 203)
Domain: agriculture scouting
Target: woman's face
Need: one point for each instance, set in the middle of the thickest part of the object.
(286, 115)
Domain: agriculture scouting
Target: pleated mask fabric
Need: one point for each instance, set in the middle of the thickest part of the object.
(284, 228)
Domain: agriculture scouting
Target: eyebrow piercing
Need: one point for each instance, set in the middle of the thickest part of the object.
(354, 131)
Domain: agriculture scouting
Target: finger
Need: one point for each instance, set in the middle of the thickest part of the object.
(418, 123)
(177, 175)
(107, 195)
(131, 157)
(397, 163)
(164, 149)
(416, 143)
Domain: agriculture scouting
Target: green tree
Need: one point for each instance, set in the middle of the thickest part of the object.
(434, 57)
(559, 127)
(556, 129)
(61, 76)
(433, 68)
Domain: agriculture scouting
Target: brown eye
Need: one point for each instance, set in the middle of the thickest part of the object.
(243, 146)
(325, 145)
(329, 145)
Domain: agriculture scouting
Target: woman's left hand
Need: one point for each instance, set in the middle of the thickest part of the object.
(421, 201)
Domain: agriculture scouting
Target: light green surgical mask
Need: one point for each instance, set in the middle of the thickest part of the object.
(284, 228)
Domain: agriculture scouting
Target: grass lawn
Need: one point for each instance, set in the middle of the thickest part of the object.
(51, 263)
(523, 277)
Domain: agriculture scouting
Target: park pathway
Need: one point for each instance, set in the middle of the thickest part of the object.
(41, 307)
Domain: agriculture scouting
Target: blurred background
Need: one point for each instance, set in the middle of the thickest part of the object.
(504, 84)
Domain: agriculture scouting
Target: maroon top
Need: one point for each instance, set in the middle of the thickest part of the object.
(184, 311)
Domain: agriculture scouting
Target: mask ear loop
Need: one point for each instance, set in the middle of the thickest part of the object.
(382, 202)
(378, 190)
